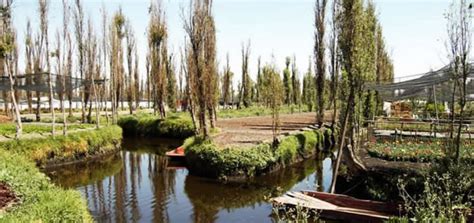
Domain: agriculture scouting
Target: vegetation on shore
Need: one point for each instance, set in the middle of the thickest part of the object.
(415, 151)
(175, 126)
(40, 201)
(205, 158)
(9, 129)
(71, 147)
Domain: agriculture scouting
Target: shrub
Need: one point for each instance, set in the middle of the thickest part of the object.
(174, 126)
(446, 195)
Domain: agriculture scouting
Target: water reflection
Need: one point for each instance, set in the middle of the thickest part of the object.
(137, 185)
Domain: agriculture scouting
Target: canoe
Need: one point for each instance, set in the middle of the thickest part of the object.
(176, 154)
(340, 207)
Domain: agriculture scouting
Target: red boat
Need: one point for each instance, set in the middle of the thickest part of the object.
(176, 154)
(340, 207)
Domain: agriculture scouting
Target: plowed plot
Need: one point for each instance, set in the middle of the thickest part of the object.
(250, 131)
(6, 196)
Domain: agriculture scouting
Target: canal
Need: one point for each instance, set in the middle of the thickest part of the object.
(139, 184)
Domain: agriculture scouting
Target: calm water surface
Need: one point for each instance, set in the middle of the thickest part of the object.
(139, 184)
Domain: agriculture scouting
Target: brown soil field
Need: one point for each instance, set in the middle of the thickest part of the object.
(249, 131)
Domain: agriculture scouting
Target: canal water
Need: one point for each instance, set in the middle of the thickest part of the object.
(139, 184)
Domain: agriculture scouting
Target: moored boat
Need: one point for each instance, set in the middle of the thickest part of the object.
(176, 154)
(340, 207)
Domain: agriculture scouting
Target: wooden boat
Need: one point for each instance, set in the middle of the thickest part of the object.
(176, 154)
(340, 207)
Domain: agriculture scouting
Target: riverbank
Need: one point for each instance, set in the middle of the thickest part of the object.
(38, 199)
(76, 146)
(230, 163)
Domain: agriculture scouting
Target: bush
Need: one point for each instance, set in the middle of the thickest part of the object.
(416, 151)
(41, 201)
(73, 146)
(174, 126)
(206, 159)
(446, 197)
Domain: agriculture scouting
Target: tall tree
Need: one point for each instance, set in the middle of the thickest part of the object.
(130, 71)
(157, 34)
(309, 88)
(459, 47)
(246, 87)
(273, 93)
(116, 37)
(9, 55)
(44, 43)
(296, 86)
(201, 36)
(319, 55)
(29, 66)
(334, 67)
(137, 95)
(259, 86)
(171, 83)
(356, 52)
(212, 77)
(79, 33)
(226, 83)
(287, 85)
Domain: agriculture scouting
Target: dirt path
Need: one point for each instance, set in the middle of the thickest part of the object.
(249, 131)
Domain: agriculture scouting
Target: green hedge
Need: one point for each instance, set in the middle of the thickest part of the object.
(174, 126)
(206, 159)
(74, 146)
(40, 201)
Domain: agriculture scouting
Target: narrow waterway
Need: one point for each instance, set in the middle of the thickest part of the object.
(139, 184)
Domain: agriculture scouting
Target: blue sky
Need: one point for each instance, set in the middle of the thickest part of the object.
(415, 30)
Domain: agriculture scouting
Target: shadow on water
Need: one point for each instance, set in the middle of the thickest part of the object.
(136, 185)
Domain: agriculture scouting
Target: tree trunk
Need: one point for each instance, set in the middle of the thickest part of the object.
(347, 113)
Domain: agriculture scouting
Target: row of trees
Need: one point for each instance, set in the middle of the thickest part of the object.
(356, 53)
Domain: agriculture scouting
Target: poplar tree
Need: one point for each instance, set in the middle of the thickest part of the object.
(296, 85)
(309, 88)
(226, 83)
(246, 86)
(287, 85)
(157, 34)
(171, 85)
(319, 56)
(201, 61)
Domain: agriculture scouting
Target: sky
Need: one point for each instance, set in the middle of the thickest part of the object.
(414, 30)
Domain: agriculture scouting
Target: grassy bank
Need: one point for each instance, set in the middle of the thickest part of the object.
(40, 200)
(415, 151)
(74, 146)
(206, 159)
(174, 126)
(9, 129)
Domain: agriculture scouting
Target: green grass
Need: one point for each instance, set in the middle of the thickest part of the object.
(415, 151)
(206, 159)
(9, 129)
(257, 111)
(74, 146)
(174, 126)
(41, 201)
